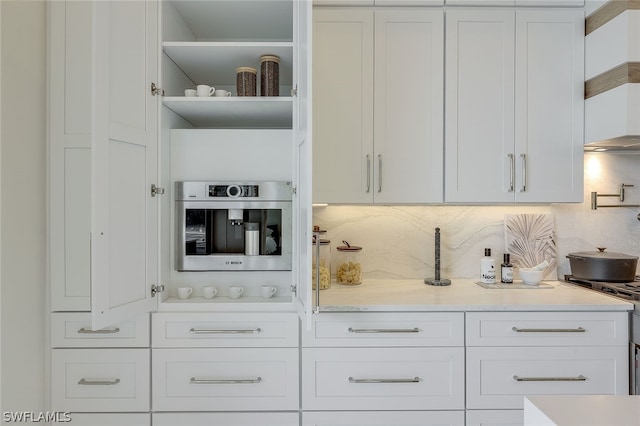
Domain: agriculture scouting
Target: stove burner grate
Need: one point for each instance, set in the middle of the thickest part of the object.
(627, 291)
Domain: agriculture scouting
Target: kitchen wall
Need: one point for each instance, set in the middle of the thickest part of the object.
(398, 241)
(22, 168)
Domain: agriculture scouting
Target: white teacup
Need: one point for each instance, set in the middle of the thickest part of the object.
(204, 90)
(184, 292)
(268, 291)
(235, 292)
(209, 292)
(221, 93)
(190, 93)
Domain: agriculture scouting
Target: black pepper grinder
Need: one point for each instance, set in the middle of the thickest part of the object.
(437, 280)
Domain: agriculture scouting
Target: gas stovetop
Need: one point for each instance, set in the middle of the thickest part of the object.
(629, 291)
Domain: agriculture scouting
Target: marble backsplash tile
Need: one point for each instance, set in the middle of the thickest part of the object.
(398, 241)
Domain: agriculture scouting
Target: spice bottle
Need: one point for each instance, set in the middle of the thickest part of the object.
(246, 81)
(269, 75)
(349, 269)
(487, 268)
(506, 270)
(323, 265)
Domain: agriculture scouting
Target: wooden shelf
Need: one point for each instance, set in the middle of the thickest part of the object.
(234, 112)
(215, 63)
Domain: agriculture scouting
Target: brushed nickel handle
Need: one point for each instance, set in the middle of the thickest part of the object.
(368, 173)
(512, 172)
(101, 331)
(549, 330)
(379, 172)
(216, 331)
(413, 380)
(524, 172)
(316, 236)
(383, 330)
(195, 381)
(580, 378)
(107, 382)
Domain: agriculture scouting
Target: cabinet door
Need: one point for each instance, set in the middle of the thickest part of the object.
(408, 117)
(69, 181)
(382, 418)
(479, 117)
(549, 105)
(124, 160)
(343, 105)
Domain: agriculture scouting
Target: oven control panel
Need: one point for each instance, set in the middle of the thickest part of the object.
(234, 191)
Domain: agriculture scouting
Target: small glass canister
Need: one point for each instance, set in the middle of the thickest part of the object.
(349, 269)
(269, 75)
(325, 265)
(246, 81)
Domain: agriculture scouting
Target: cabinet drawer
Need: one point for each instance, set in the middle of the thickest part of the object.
(226, 419)
(102, 380)
(114, 419)
(383, 418)
(385, 329)
(73, 330)
(255, 379)
(383, 379)
(225, 330)
(499, 377)
(547, 328)
(495, 418)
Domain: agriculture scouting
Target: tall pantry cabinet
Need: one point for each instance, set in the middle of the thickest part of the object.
(118, 121)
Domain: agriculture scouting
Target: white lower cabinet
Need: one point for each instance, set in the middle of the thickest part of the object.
(383, 418)
(226, 419)
(99, 380)
(112, 419)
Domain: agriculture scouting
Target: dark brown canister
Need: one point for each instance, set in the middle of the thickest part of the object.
(269, 75)
(246, 81)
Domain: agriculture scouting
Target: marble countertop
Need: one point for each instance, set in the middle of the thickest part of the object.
(463, 295)
(582, 410)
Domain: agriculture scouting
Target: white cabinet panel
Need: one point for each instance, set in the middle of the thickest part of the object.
(514, 105)
(98, 380)
(547, 329)
(225, 330)
(115, 419)
(378, 100)
(500, 377)
(385, 329)
(73, 330)
(226, 419)
(383, 418)
(384, 378)
(225, 379)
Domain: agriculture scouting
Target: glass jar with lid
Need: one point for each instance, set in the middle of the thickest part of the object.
(349, 268)
(324, 262)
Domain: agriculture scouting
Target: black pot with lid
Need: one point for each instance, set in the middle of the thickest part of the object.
(603, 266)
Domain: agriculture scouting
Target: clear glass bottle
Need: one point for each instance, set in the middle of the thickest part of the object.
(349, 268)
(325, 265)
(269, 75)
(246, 81)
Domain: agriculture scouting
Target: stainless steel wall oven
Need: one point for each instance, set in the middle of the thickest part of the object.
(233, 226)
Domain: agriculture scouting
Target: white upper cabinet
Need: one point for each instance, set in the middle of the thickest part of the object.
(514, 102)
(124, 244)
(378, 123)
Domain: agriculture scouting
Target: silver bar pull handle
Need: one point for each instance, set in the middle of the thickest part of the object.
(580, 378)
(215, 331)
(379, 172)
(512, 172)
(368, 173)
(195, 381)
(413, 380)
(549, 330)
(524, 172)
(316, 236)
(101, 331)
(383, 330)
(101, 382)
